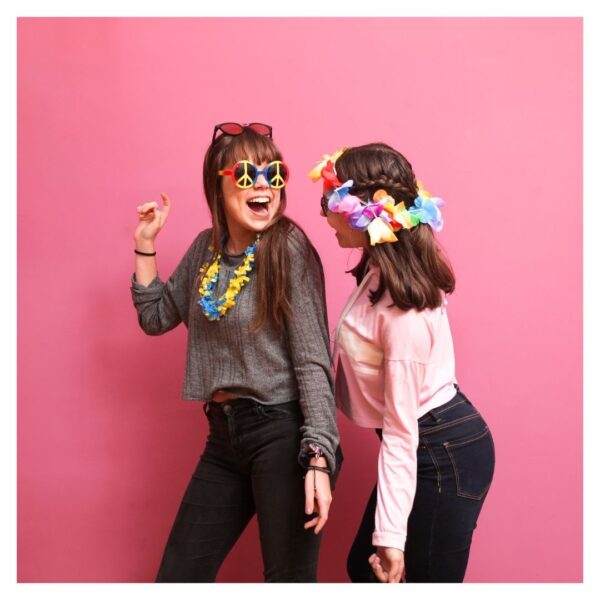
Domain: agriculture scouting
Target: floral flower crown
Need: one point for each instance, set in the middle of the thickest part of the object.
(380, 216)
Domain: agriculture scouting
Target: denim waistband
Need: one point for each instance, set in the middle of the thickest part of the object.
(435, 413)
(443, 417)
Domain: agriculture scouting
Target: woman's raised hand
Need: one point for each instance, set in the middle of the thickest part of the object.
(152, 219)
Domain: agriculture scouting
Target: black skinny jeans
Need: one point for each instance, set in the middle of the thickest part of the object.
(455, 465)
(250, 465)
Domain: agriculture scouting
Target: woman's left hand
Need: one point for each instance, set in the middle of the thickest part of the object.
(388, 564)
(317, 494)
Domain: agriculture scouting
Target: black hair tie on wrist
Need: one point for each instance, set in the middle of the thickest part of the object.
(316, 468)
(144, 253)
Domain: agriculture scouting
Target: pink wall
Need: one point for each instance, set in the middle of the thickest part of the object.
(114, 111)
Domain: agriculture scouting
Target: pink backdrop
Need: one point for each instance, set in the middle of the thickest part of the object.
(114, 111)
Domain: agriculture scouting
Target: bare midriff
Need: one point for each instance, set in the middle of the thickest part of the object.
(221, 396)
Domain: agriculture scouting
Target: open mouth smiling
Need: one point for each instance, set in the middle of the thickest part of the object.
(259, 204)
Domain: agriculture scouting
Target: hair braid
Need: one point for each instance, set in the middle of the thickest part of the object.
(384, 168)
(390, 185)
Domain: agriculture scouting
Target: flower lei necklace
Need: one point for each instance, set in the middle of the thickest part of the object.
(214, 309)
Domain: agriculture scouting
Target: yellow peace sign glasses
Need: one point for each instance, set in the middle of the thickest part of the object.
(245, 173)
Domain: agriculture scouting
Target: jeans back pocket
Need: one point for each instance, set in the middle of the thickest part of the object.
(473, 460)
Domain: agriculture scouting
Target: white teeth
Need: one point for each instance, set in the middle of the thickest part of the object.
(261, 200)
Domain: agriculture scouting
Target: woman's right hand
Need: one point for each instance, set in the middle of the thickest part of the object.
(152, 219)
(388, 564)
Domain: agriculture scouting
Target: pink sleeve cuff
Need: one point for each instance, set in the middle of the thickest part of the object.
(389, 539)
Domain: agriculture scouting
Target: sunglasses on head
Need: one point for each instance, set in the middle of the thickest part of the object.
(245, 173)
(237, 128)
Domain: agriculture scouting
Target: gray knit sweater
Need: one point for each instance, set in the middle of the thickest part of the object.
(269, 367)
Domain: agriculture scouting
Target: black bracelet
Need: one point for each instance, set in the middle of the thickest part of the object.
(144, 253)
(316, 468)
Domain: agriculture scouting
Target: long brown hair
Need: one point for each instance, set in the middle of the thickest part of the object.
(272, 255)
(414, 269)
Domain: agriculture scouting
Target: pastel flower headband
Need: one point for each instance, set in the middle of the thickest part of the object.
(380, 216)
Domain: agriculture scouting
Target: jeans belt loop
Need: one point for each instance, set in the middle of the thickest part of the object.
(434, 415)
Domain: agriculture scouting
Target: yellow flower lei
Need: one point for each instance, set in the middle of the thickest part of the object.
(215, 309)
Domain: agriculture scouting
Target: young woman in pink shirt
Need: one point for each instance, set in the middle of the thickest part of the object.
(394, 362)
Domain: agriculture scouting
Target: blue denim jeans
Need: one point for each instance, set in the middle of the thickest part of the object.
(249, 465)
(455, 466)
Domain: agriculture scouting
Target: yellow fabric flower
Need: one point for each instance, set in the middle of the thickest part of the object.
(315, 173)
(380, 231)
(422, 191)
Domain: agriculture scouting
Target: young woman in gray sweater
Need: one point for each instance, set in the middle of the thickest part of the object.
(250, 291)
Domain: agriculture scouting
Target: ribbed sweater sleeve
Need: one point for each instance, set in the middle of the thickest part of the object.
(162, 306)
(308, 340)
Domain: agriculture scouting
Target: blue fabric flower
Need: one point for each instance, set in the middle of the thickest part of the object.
(427, 211)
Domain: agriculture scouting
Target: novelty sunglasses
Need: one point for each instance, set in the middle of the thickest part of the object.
(245, 173)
